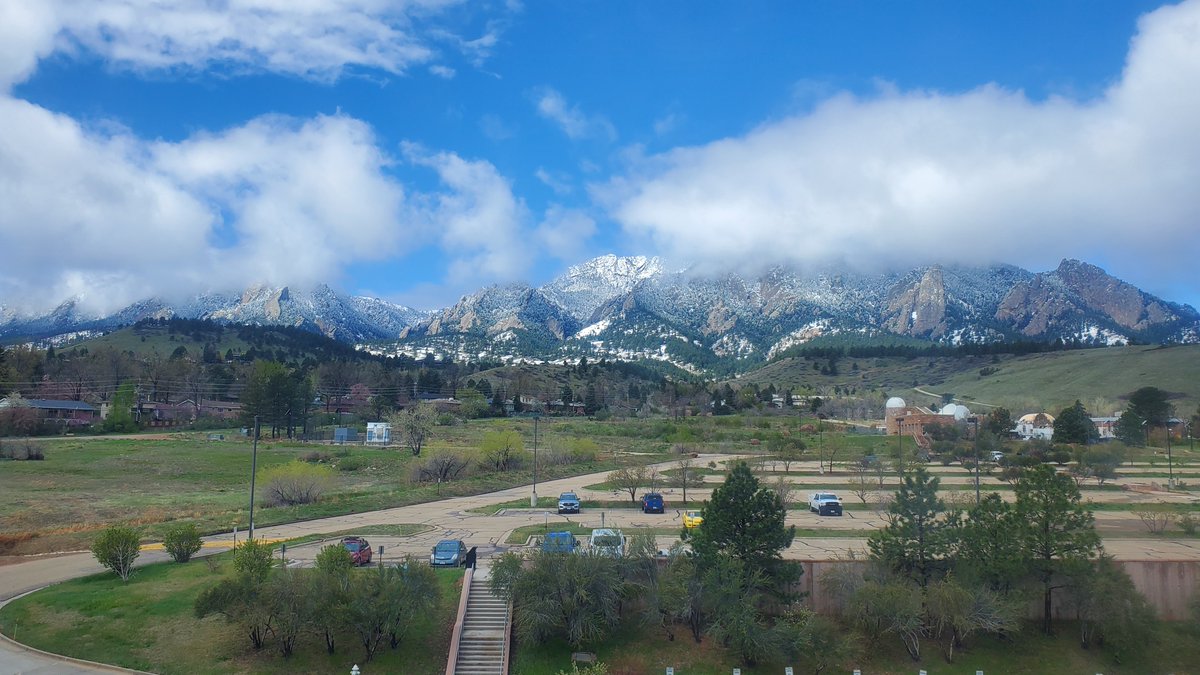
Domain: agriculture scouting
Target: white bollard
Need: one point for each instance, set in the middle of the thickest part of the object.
(788, 671)
(670, 670)
(354, 670)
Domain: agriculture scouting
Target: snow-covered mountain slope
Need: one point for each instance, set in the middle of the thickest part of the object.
(634, 308)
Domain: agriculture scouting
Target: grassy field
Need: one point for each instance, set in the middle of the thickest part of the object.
(1049, 381)
(85, 484)
(636, 649)
(147, 624)
(1056, 380)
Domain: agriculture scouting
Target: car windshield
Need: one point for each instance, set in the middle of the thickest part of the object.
(607, 541)
(352, 546)
(447, 547)
(567, 495)
(693, 514)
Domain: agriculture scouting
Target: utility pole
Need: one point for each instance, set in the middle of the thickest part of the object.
(253, 471)
(976, 422)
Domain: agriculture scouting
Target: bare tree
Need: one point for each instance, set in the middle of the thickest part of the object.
(441, 468)
(630, 479)
(862, 481)
(687, 477)
(785, 489)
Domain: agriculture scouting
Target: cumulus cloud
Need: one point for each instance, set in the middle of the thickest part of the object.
(99, 214)
(105, 217)
(558, 181)
(565, 232)
(574, 122)
(478, 220)
(444, 72)
(981, 176)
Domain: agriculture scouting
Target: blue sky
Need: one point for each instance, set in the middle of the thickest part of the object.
(416, 151)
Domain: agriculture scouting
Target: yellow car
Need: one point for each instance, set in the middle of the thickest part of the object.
(692, 519)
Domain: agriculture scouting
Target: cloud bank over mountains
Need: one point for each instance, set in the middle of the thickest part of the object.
(92, 209)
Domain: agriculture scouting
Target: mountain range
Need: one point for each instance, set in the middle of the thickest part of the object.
(635, 308)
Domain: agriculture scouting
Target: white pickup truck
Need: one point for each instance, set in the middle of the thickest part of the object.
(825, 504)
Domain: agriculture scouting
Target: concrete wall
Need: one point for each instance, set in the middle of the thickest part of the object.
(1168, 585)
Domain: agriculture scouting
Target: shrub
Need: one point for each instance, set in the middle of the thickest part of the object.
(116, 548)
(252, 559)
(22, 450)
(351, 463)
(182, 541)
(334, 559)
(1188, 523)
(1156, 517)
(316, 457)
(296, 483)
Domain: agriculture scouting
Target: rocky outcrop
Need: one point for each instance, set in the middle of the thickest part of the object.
(918, 308)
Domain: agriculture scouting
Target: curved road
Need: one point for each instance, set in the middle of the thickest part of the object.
(451, 519)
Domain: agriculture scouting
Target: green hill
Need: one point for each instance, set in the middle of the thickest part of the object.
(1101, 378)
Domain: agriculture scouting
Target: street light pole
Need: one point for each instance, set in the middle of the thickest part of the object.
(1170, 466)
(533, 497)
(253, 471)
(976, 423)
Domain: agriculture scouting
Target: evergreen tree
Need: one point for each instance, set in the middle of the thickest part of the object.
(1058, 532)
(920, 535)
(1074, 425)
(746, 521)
(999, 422)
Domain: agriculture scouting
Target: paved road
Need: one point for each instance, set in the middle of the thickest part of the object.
(451, 519)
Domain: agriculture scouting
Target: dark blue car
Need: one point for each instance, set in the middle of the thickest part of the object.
(652, 502)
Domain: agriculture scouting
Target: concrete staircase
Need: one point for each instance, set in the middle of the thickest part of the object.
(484, 641)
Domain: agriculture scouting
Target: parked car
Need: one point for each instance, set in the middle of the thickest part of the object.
(997, 455)
(652, 502)
(359, 549)
(449, 553)
(692, 519)
(560, 542)
(607, 542)
(568, 502)
(825, 504)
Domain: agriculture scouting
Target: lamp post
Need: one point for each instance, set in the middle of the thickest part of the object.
(975, 421)
(533, 497)
(253, 471)
(1170, 466)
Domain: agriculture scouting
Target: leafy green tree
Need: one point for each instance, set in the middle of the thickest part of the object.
(1074, 425)
(277, 397)
(890, 607)
(954, 611)
(120, 414)
(1058, 530)
(1111, 611)
(117, 548)
(502, 450)
(287, 599)
(990, 544)
(576, 598)
(1101, 462)
(240, 600)
(414, 425)
(919, 535)
(746, 521)
(182, 541)
(786, 450)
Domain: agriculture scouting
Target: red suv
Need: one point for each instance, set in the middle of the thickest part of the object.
(359, 548)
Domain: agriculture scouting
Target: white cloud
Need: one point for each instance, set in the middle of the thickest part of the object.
(494, 128)
(666, 124)
(975, 177)
(444, 72)
(479, 222)
(112, 218)
(557, 181)
(305, 38)
(574, 122)
(564, 232)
